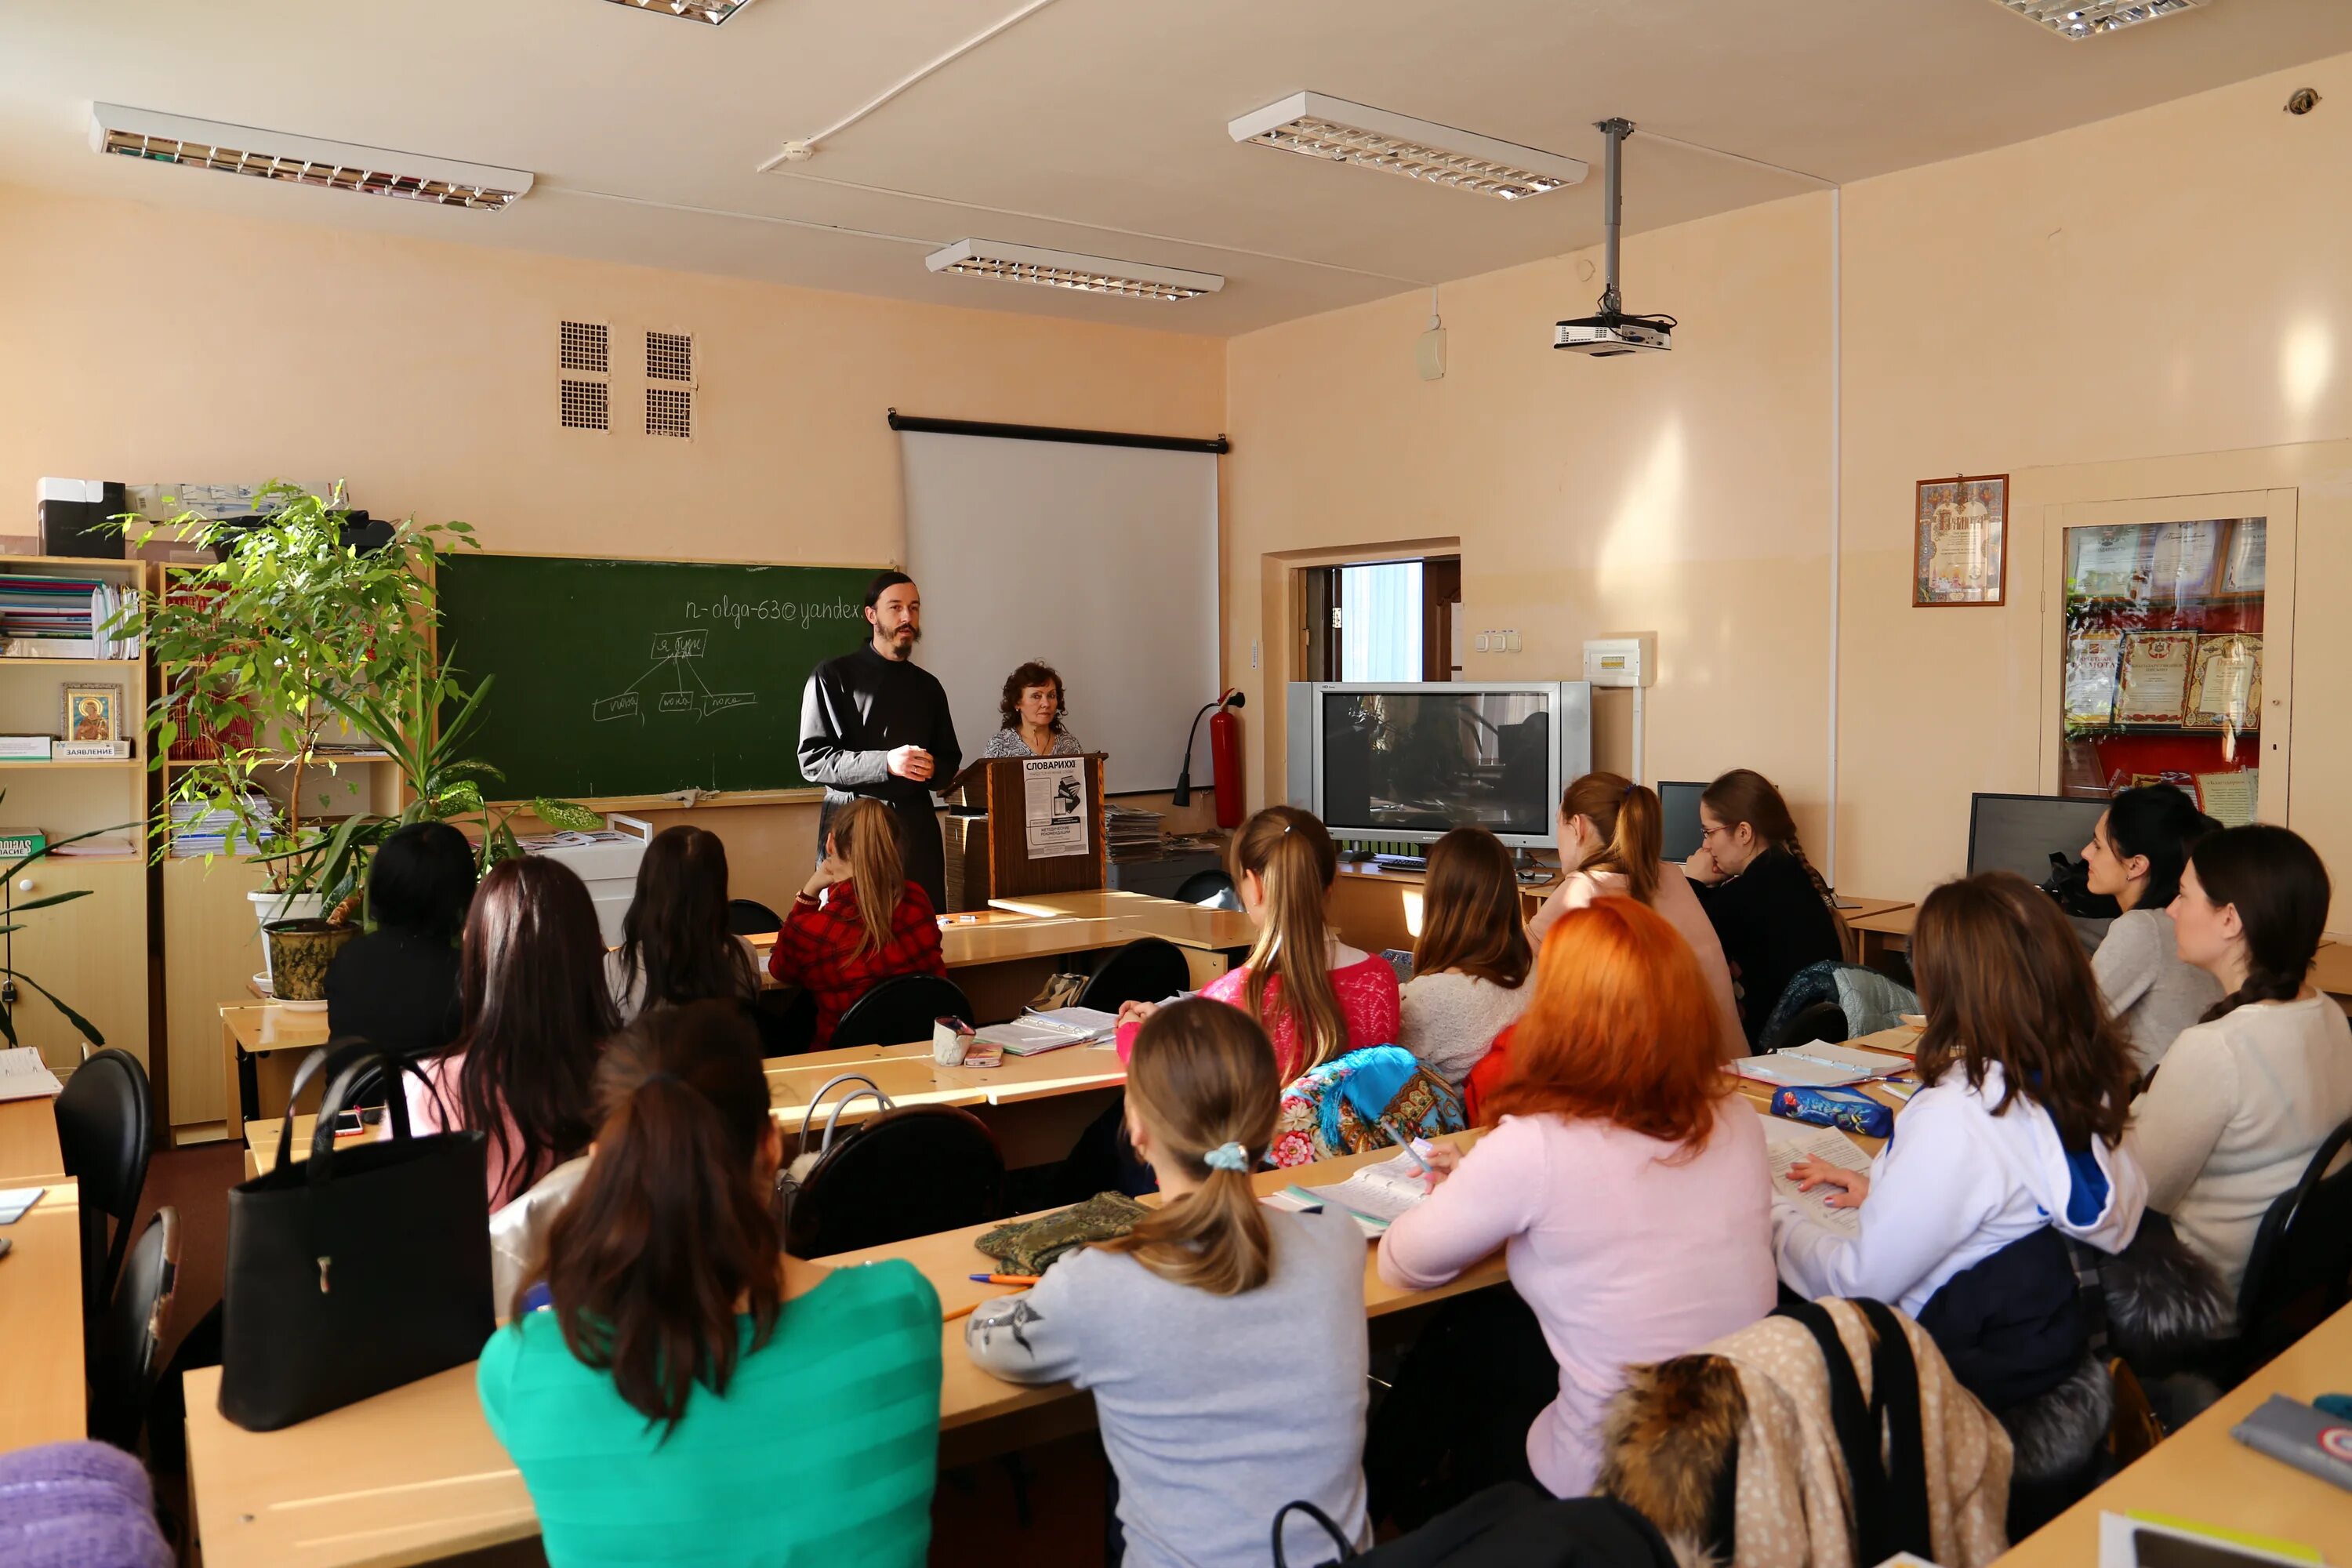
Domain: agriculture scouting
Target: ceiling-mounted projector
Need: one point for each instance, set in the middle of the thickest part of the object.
(1610, 331)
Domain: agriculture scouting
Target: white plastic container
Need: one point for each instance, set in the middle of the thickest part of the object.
(606, 861)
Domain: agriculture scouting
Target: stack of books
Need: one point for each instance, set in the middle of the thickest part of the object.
(1134, 834)
(195, 831)
(60, 617)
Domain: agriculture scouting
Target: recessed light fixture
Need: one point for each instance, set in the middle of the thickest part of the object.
(1069, 269)
(711, 11)
(301, 160)
(1347, 133)
(2088, 18)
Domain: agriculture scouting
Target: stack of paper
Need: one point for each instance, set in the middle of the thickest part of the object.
(25, 1076)
(1820, 1065)
(195, 831)
(1133, 835)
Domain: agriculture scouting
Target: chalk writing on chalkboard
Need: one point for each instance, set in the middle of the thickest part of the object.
(675, 652)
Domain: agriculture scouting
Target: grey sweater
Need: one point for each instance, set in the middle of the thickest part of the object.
(1216, 1410)
(1450, 1020)
(2153, 992)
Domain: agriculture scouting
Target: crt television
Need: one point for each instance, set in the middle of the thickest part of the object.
(1678, 809)
(1410, 761)
(2020, 832)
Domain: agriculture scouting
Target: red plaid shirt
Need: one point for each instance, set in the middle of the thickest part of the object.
(815, 948)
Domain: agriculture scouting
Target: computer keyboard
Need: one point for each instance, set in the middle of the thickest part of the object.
(1402, 862)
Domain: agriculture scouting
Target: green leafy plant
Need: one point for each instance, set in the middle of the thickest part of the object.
(261, 649)
(8, 1002)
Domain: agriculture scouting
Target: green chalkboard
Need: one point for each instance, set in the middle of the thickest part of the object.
(621, 677)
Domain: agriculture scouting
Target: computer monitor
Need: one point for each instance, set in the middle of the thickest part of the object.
(1678, 804)
(1408, 761)
(2020, 832)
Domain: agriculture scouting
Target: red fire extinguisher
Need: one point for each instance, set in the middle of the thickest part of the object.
(1225, 761)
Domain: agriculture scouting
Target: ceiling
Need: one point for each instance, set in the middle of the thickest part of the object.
(1091, 125)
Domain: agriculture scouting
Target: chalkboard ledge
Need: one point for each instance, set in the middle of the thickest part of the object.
(677, 800)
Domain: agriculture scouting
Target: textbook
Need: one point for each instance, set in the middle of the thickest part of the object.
(1037, 1033)
(1374, 1197)
(1819, 1065)
(15, 843)
(1785, 1142)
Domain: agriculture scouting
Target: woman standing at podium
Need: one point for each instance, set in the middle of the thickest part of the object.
(1032, 707)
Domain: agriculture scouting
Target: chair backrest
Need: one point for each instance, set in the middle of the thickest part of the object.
(898, 1010)
(915, 1171)
(750, 917)
(1210, 890)
(2300, 1269)
(1816, 1021)
(127, 1353)
(1148, 969)
(106, 1119)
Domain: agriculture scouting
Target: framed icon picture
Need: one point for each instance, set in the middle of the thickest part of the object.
(1960, 552)
(93, 713)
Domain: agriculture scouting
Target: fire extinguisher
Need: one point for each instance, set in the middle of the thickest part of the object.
(1225, 761)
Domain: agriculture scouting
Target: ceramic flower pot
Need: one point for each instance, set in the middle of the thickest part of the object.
(299, 951)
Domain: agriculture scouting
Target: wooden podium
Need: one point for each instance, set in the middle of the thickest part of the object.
(989, 831)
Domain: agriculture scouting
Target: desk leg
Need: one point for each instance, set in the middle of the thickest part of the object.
(242, 1099)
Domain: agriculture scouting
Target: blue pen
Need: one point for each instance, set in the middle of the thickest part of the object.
(1418, 1147)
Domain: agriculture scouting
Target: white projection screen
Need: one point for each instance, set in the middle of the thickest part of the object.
(1101, 561)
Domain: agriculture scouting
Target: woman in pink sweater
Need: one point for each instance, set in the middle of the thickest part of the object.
(1626, 1182)
(1611, 832)
(1315, 999)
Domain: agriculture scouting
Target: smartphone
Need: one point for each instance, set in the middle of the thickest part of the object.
(357, 1120)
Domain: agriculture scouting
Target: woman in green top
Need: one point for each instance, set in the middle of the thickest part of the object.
(673, 1388)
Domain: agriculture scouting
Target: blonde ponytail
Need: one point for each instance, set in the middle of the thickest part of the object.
(1630, 823)
(1201, 1080)
(867, 834)
(1294, 860)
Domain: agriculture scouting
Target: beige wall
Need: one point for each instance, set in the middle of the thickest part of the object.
(146, 344)
(2147, 307)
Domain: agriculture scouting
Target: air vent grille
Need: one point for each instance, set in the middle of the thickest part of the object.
(587, 345)
(586, 405)
(669, 411)
(669, 356)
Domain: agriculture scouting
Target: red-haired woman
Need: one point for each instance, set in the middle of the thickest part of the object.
(1625, 1183)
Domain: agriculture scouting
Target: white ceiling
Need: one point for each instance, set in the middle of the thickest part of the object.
(1089, 117)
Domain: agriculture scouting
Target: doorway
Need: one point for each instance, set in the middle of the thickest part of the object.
(1382, 620)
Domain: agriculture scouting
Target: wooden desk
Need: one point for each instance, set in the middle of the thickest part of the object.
(2202, 1474)
(254, 1039)
(29, 1155)
(1379, 907)
(40, 1320)
(414, 1475)
(1187, 925)
(2331, 970)
(1881, 932)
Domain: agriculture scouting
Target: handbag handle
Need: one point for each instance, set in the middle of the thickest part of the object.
(1319, 1517)
(343, 1063)
(871, 1088)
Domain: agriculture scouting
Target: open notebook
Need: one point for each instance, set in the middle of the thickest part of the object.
(1785, 1142)
(1820, 1065)
(1375, 1195)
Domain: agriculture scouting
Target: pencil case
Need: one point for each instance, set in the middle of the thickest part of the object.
(1840, 1108)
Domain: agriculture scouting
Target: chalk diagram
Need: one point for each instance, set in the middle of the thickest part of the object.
(675, 652)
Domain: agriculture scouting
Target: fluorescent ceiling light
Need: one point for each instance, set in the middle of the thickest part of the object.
(2086, 18)
(711, 11)
(1068, 270)
(1347, 133)
(301, 160)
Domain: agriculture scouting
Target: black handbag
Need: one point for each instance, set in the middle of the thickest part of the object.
(357, 1270)
(1509, 1525)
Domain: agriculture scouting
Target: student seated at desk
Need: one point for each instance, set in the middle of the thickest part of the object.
(1770, 909)
(1470, 965)
(2135, 854)
(873, 924)
(396, 987)
(2246, 1096)
(1611, 831)
(535, 1009)
(1223, 1341)
(1625, 1182)
(687, 1393)
(675, 944)
(1315, 997)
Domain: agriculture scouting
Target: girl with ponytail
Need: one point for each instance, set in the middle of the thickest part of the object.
(1223, 1341)
(858, 922)
(2245, 1098)
(653, 1384)
(1771, 910)
(1315, 997)
(1611, 829)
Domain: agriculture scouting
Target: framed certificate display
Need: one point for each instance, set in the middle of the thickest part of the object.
(1960, 541)
(2154, 686)
(2225, 682)
(2092, 656)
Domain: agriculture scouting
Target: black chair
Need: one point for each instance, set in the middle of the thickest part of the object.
(1148, 969)
(106, 1120)
(915, 1171)
(126, 1354)
(1818, 1021)
(1210, 890)
(898, 1010)
(750, 917)
(2300, 1269)
(786, 1019)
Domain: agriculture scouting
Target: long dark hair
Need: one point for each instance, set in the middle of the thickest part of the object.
(1470, 912)
(421, 880)
(1743, 795)
(676, 933)
(531, 985)
(1631, 825)
(2005, 978)
(667, 1228)
(2281, 892)
(2161, 823)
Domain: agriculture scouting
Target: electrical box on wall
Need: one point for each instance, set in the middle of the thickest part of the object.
(1630, 660)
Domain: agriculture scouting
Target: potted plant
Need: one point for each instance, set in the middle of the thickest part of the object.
(259, 650)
